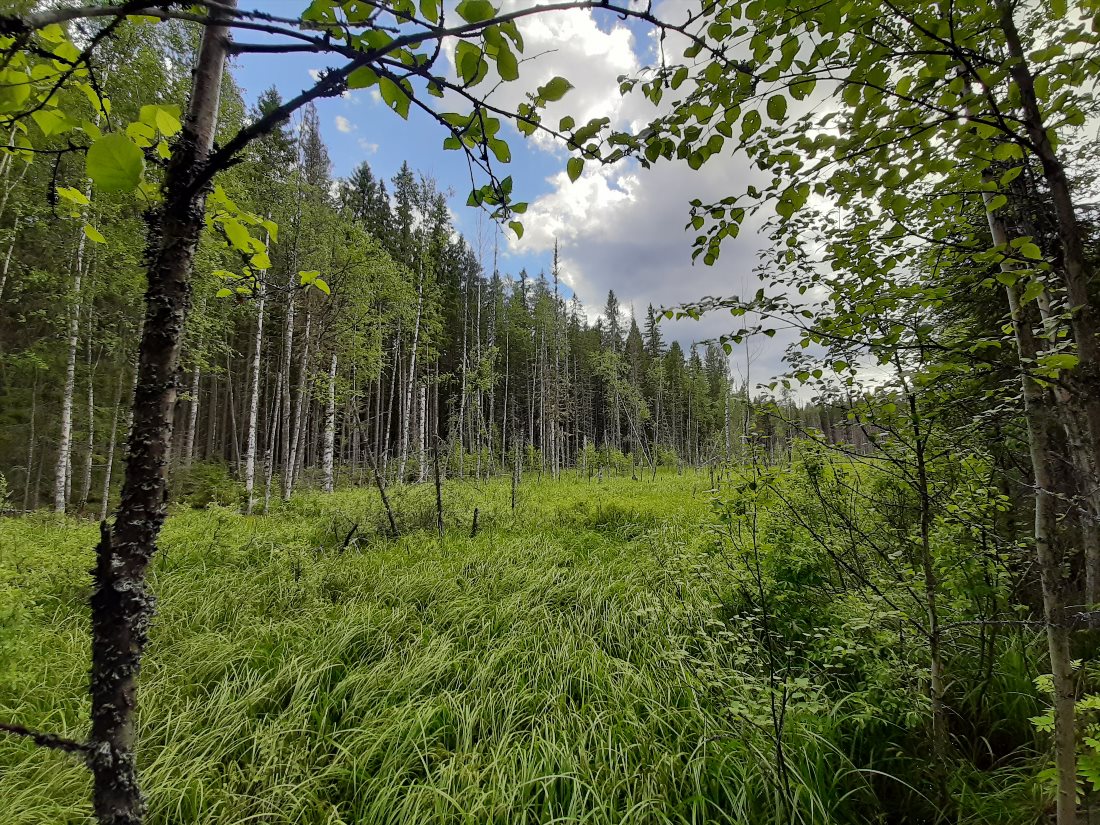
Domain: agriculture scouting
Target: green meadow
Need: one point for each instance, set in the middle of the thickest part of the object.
(589, 657)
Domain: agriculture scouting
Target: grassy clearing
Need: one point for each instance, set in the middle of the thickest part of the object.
(556, 668)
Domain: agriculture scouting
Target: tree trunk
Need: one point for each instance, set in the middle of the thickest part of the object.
(296, 440)
(105, 496)
(63, 472)
(30, 443)
(7, 258)
(89, 453)
(1077, 273)
(284, 375)
(122, 607)
(330, 429)
(254, 405)
(410, 383)
(1038, 417)
(192, 416)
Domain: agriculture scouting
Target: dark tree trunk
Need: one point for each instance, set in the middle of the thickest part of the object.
(122, 607)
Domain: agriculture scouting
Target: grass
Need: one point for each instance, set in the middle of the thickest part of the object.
(557, 668)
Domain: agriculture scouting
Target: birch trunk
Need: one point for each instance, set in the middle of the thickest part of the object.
(284, 392)
(63, 472)
(7, 258)
(30, 443)
(89, 451)
(112, 443)
(296, 440)
(1037, 414)
(1077, 274)
(330, 429)
(406, 425)
(192, 416)
(254, 405)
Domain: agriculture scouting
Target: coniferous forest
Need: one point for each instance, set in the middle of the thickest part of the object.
(318, 507)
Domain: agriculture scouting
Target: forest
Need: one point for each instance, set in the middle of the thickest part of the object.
(323, 502)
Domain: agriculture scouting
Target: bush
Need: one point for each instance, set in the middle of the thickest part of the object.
(208, 483)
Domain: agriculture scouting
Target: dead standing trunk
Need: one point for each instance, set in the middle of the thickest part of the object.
(122, 607)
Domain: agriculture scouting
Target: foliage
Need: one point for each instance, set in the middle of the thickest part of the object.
(298, 679)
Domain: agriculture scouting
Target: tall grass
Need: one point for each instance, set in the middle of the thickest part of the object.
(556, 668)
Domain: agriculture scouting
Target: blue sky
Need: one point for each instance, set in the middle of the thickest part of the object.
(360, 128)
(620, 227)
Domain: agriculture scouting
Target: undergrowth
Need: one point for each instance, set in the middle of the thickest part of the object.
(580, 660)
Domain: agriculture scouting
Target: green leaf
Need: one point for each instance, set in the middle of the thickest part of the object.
(51, 121)
(238, 236)
(308, 277)
(141, 133)
(430, 10)
(750, 124)
(802, 89)
(1032, 291)
(99, 104)
(574, 168)
(507, 65)
(168, 120)
(115, 163)
(362, 77)
(261, 260)
(224, 292)
(516, 227)
(1059, 361)
(394, 96)
(1030, 250)
(14, 90)
(74, 195)
(555, 89)
(469, 62)
(271, 228)
(500, 150)
(476, 11)
(93, 234)
(321, 285)
(777, 107)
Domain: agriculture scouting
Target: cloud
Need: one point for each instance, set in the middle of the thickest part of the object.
(367, 146)
(315, 74)
(622, 227)
(344, 125)
(572, 45)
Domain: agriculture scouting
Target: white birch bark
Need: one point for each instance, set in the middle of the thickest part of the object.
(62, 475)
(112, 443)
(299, 409)
(254, 405)
(409, 384)
(330, 428)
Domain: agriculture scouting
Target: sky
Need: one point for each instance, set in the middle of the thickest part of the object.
(618, 227)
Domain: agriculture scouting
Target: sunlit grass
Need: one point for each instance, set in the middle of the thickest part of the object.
(549, 670)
